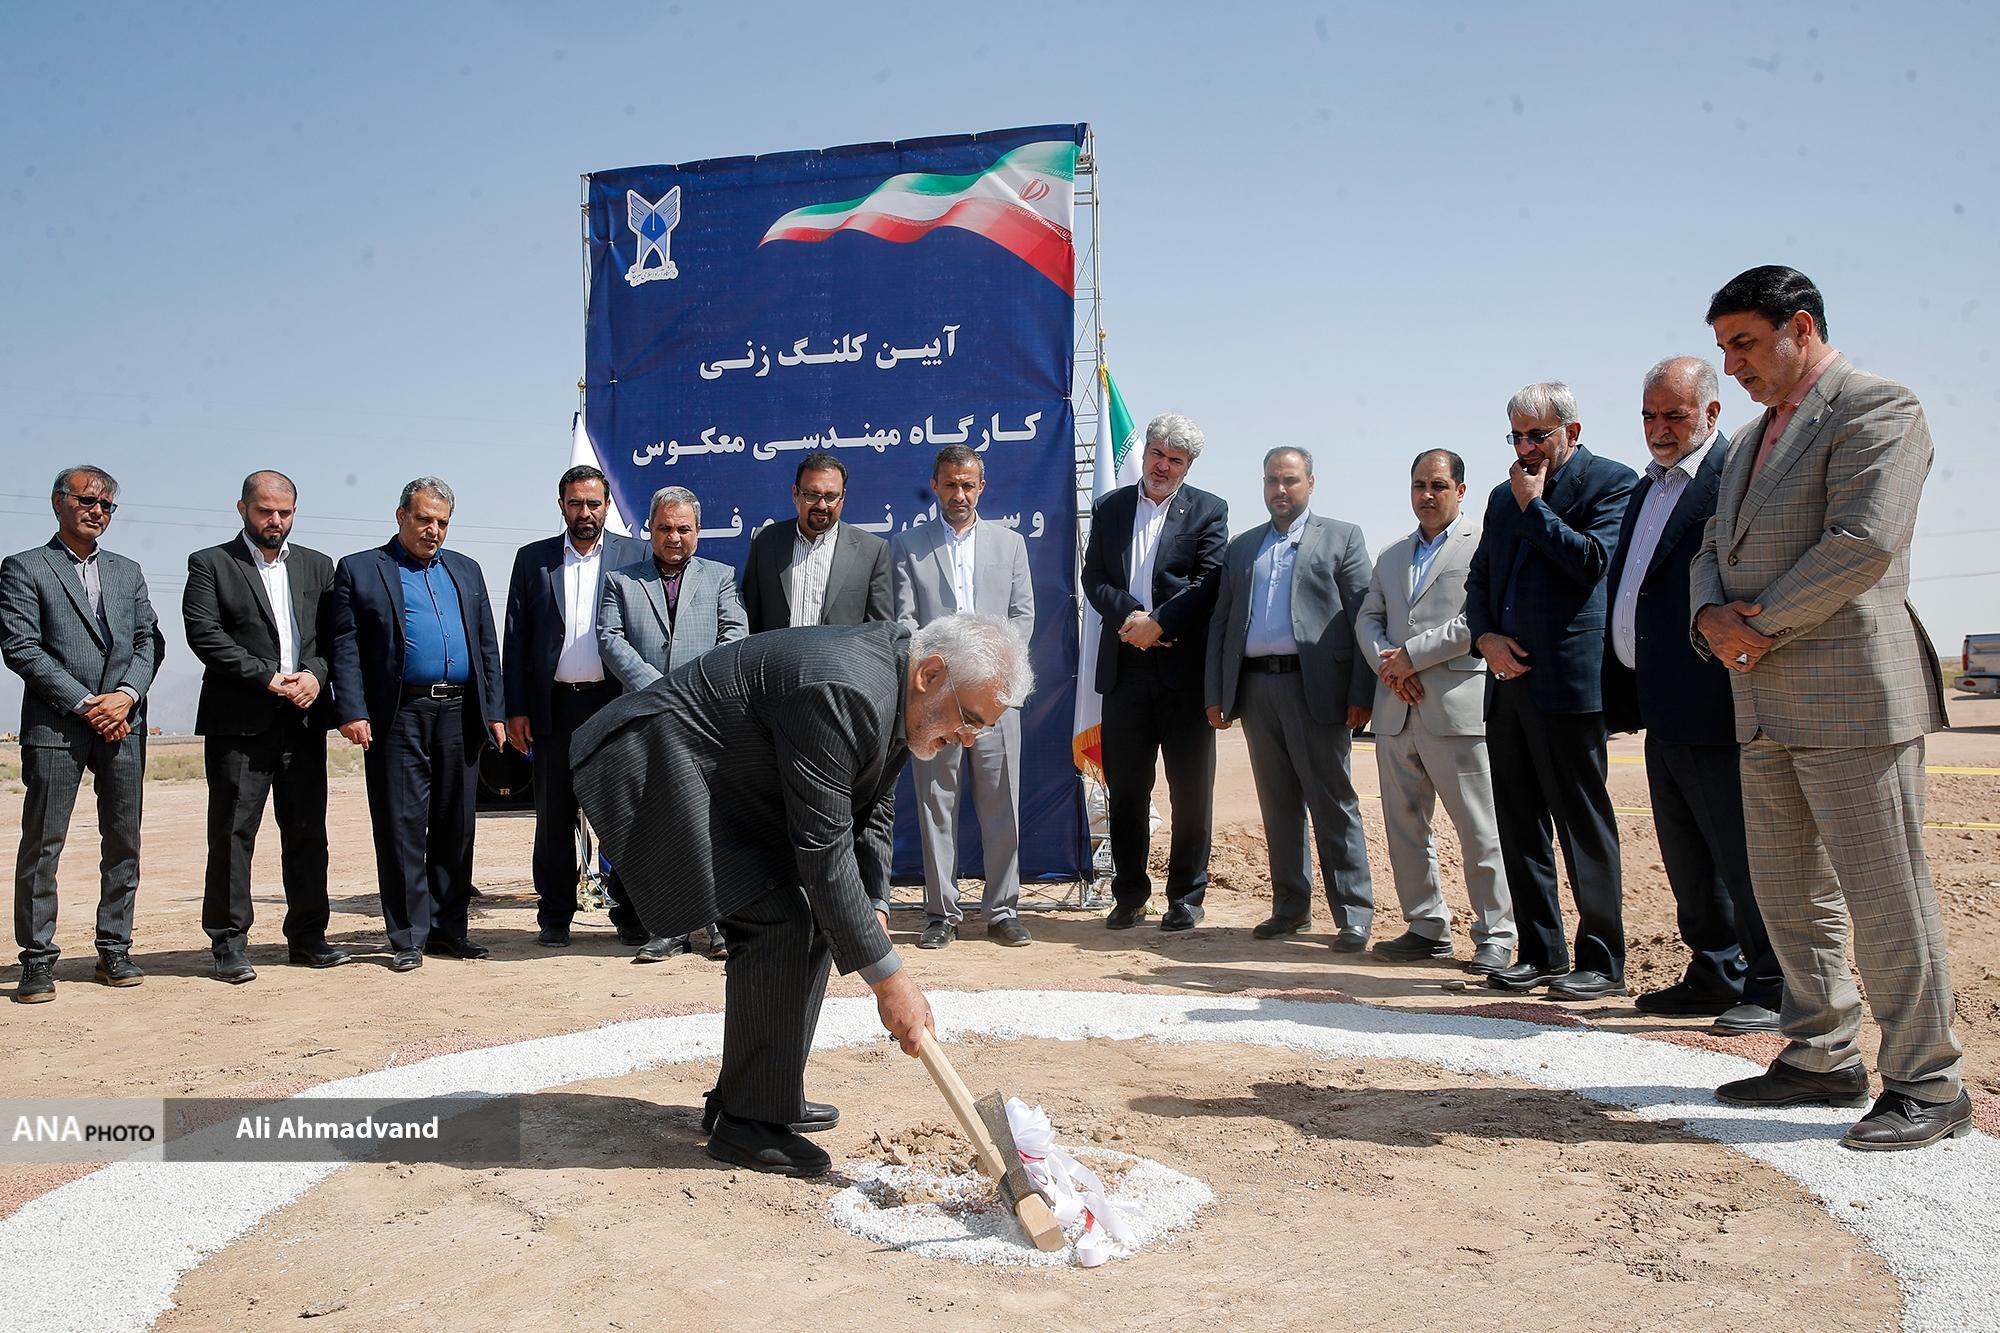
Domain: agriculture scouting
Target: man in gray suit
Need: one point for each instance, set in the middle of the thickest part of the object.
(76, 625)
(819, 570)
(1281, 656)
(964, 564)
(1802, 589)
(1430, 722)
(658, 615)
(757, 787)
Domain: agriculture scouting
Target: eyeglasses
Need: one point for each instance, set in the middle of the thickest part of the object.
(814, 499)
(968, 730)
(91, 502)
(1673, 418)
(1538, 438)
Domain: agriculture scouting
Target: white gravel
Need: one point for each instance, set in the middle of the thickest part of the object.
(107, 1251)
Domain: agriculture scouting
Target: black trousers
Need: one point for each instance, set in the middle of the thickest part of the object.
(774, 985)
(555, 864)
(53, 774)
(1548, 773)
(287, 764)
(423, 774)
(1697, 793)
(1146, 720)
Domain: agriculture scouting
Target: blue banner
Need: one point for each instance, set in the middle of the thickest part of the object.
(878, 302)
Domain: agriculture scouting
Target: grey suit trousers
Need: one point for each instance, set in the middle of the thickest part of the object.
(1419, 768)
(1301, 766)
(1839, 833)
(773, 987)
(995, 761)
(52, 775)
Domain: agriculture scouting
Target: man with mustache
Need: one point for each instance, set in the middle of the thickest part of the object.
(1535, 608)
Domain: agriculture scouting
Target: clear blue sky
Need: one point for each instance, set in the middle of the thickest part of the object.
(342, 240)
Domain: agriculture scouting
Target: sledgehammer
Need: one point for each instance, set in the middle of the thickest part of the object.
(985, 1123)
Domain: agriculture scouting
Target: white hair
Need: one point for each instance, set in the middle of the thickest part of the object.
(1176, 432)
(1548, 398)
(977, 649)
(673, 495)
(429, 486)
(1705, 383)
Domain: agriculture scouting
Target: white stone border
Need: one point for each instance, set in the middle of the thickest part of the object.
(107, 1251)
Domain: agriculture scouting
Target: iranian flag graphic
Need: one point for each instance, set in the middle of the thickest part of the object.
(1119, 449)
(1022, 203)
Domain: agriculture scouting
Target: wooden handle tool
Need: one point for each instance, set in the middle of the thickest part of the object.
(993, 1146)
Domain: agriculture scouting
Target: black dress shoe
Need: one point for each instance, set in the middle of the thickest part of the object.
(1898, 1122)
(234, 968)
(1410, 947)
(1181, 916)
(1788, 1085)
(1350, 940)
(324, 955)
(1585, 985)
(633, 937)
(407, 960)
(1009, 931)
(937, 934)
(1742, 1019)
(553, 937)
(461, 947)
(1487, 959)
(762, 1147)
(114, 968)
(1273, 926)
(1684, 999)
(1524, 977)
(37, 984)
(1123, 917)
(819, 1116)
(660, 948)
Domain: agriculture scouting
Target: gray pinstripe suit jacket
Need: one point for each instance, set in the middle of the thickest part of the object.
(1821, 538)
(49, 637)
(638, 641)
(766, 763)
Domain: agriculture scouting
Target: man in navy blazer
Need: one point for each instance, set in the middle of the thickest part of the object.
(555, 682)
(1654, 679)
(1535, 608)
(416, 684)
(1151, 570)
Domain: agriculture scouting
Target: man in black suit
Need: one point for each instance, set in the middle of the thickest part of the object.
(556, 681)
(757, 786)
(416, 684)
(1151, 569)
(1535, 608)
(819, 570)
(1654, 679)
(254, 609)
(77, 626)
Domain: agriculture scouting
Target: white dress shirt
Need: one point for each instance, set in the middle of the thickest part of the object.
(583, 585)
(1148, 519)
(278, 589)
(1665, 486)
(958, 549)
(812, 563)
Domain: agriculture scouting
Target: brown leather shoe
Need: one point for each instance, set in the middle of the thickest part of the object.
(1788, 1085)
(1899, 1122)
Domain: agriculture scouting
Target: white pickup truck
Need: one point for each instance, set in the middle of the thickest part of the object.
(1981, 672)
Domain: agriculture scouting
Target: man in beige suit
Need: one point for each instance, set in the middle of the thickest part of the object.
(1800, 588)
(1430, 722)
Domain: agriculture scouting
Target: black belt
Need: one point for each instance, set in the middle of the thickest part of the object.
(437, 691)
(583, 686)
(1276, 665)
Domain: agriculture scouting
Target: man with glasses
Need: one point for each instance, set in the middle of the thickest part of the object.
(819, 570)
(1535, 609)
(965, 564)
(555, 682)
(77, 627)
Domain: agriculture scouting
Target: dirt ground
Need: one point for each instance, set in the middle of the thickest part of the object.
(1415, 1195)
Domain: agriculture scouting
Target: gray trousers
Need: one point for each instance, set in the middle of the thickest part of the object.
(1418, 769)
(1837, 834)
(995, 761)
(1301, 766)
(52, 775)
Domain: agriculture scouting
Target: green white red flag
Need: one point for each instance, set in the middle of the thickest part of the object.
(1117, 464)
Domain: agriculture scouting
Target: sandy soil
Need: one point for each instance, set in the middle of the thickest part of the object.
(1414, 1195)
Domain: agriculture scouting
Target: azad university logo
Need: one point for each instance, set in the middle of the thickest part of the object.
(653, 225)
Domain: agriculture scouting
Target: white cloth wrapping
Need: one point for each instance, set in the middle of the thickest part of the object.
(1072, 1189)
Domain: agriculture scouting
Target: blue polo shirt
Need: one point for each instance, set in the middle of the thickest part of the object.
(434, 646)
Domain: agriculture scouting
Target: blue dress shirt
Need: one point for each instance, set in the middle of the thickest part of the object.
(1270, 632)
(434, 646)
